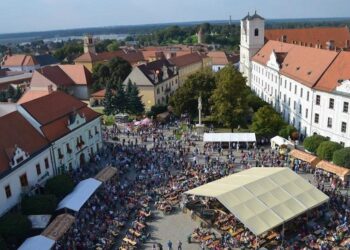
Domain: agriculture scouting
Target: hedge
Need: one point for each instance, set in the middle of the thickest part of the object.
(39, 204)
(326, 149)
(60, 186)
(341, 157)
(14, 227)
(311, 143)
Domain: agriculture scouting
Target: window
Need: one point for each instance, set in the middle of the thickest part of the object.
(284, 98)
(343, 127)
(23, 179)
(295, 89)
(301, 92)
(289, 101)
(256, 32)
(294, 105)
(318, 99)
(290, 86)
(47, 163)
(317, 118)
(342, 143)
(345, 107)
(331, 103)
(285, 84)
(307, 95)
(306, 113)
(38, 169)
(8, 191)
(329, 122)
(300, 109)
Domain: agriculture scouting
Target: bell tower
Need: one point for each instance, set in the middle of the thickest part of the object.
(252, 40)
(89, 44)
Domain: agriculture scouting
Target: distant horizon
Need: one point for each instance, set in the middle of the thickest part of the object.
(20, 16)
(167, 23)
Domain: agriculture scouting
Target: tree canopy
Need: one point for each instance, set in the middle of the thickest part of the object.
(60, 185)
(326, 149)
(14, 227)
(341, 157)
(267, 122)
(185, 99)
(229, 98)
(311, 143)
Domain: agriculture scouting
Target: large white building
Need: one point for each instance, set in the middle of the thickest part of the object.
(309, 86)
(46, 136)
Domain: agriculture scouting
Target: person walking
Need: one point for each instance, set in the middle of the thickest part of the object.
(179, 245)
(170, 245)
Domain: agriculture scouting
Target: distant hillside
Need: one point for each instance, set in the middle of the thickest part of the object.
(148, 28)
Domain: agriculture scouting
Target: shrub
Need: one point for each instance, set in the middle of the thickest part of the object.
(3, 244)
(39, 204)
(326, 149)
(14, 227)
(60, 186)
(341, 157)
(311, 143)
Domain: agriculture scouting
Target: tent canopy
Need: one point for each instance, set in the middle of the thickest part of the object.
(301, 155)
(81, 193)
(279, 141)
(229, 137)
(106, 174)
(263, 198)
(39, 221)
(59, 226)
(334, 169)
(38, 242)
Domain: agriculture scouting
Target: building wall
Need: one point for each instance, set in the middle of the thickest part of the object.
(87, 65)
(73, 160)
(13, 179)
(147, 96)
(217, 67)
(165, 90)
(81, 92)
(185, 71)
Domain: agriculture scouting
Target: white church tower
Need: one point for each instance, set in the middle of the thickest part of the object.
(252, 40)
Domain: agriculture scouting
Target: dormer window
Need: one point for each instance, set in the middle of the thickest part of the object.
(19, 160)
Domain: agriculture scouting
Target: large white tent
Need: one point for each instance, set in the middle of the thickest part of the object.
(38, 242)
(263, 198)
(81, 193)
(229, 137)
(279, 141)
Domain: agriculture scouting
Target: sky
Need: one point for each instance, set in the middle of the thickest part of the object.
(42, 15)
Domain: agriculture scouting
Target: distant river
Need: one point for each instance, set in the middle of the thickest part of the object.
(101, 37)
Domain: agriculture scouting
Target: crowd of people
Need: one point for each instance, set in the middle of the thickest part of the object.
(154, 169)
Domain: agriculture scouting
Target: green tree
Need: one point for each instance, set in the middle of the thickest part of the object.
(311, 143)
(287, 131)
(11, 92)
(120, 100)
(108, 102)
(60, 186)
(113, 46)
(156, 109)
(326, 149)
(39, 204)
(229, 98)
(341, 157)
(3, 245)
(185, 98)
(14, 227)
(254, 102)
(267, 122)
(134, 102)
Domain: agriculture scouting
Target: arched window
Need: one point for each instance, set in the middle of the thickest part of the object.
(256, 32)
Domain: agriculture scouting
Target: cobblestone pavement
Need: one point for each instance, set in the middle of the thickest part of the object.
(173, 227)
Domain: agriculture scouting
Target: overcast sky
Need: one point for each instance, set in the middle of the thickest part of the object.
(40, 15)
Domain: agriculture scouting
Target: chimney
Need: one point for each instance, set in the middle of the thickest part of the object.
(50, 89)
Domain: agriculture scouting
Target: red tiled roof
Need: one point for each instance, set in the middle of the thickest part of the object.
(185, 60)
(78, 73)
(32, 95)
(218, 57)
(133, 57)
(53, 111)
(338, 71)
(101, 93)
(303, 64)
(16, 130)
(312, 36)
(52, 107)
(19, 60)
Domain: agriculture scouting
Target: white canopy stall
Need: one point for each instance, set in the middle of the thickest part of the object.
(229, 137)
(279, 141)
(38, 242)
(81, 193)
(263, 198)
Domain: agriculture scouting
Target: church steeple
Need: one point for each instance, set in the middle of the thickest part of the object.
(89, 44)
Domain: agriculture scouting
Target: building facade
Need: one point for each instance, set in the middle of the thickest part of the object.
(308, 86)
